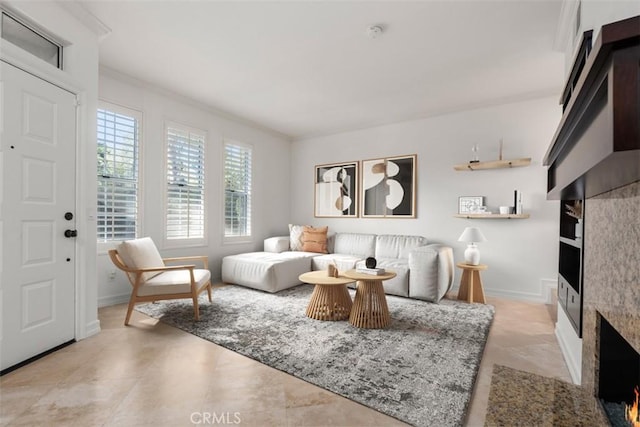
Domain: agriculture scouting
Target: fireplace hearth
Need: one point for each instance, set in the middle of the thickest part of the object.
(619, 376)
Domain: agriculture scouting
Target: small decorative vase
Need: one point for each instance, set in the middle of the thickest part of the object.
(332, 271)
(371, 262)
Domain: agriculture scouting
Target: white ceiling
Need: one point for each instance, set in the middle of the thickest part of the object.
(306, 68)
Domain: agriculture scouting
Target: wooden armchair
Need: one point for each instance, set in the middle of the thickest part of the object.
(153, 280)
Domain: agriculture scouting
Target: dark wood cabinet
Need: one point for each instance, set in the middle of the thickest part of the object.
(570, 261)
(596, 147)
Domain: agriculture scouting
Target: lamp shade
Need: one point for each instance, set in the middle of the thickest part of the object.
(472, 235)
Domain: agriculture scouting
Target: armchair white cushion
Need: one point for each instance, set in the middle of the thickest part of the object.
(141, 253)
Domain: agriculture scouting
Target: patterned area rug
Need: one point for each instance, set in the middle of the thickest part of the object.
(520, 398)
(421, 369)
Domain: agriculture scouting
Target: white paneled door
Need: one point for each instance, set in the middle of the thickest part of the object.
(37, 209)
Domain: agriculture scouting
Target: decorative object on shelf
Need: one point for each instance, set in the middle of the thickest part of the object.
(475, 149)
(389, 187)
(472, 235)
(517, 202)
(505, 210)
(370, 262)
(336, 190)
(578, 231)
(470, 204)
(574, 209)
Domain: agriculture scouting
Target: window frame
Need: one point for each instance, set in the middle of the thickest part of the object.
(184, 241)
(247, 238)
(104, 246)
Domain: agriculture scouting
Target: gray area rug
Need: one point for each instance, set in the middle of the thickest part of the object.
(421, 369)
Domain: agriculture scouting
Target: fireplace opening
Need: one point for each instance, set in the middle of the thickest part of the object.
(619, 377)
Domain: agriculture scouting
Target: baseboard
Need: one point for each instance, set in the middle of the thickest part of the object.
(515, 295)
(545, 296)
(564, 340)
(549, 290)
(113, 300)
(92, 328)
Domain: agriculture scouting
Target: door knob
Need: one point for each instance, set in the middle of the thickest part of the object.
(70, 233)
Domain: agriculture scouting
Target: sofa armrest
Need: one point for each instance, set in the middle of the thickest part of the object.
(276, 244)
(431, 272)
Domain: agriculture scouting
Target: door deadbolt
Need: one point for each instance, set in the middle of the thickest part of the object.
(70, 233)
(68, 216)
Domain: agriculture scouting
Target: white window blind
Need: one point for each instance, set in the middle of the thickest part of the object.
(185, 210)
(237, 178)
(118, 141)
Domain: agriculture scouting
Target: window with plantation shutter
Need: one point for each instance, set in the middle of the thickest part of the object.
(185, 201)
(118, 144)
(237, 191)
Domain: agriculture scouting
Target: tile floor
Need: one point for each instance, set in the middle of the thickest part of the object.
(152, 374)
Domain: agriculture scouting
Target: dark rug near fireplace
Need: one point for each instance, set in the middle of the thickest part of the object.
(421, 369)
(520, 398)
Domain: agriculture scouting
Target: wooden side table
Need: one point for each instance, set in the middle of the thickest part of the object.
(370, 308)
(471, 284)
(330, 299)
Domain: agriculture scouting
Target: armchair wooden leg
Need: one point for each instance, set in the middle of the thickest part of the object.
(132, 302)
(209, 291)
(196, 309)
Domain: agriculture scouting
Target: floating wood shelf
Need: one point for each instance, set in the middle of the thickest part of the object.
(495, 164)
(492, 216)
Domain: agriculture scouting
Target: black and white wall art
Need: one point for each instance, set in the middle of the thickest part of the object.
(389, 187)
(336, 190)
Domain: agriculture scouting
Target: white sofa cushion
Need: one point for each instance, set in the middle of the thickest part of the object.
(276, 244)
(393, 246)
(271, 272)
(358, 245)
(432, 272)
(344, 262)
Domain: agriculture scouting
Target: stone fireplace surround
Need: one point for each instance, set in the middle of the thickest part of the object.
(611, 274)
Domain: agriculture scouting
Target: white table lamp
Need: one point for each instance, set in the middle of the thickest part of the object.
(472, 235)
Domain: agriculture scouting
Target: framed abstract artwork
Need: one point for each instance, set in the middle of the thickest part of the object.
(336, 190)
(389, 187)
(470, 204)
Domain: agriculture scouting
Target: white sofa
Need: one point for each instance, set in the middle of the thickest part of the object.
(423, 271)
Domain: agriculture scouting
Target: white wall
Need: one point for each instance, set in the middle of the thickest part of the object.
(593, 15)
(80, 75)
(271, 157)
(521, 254)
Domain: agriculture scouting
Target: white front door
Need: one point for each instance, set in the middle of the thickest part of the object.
(37, 189)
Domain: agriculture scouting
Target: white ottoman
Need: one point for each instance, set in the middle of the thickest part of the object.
(266, 271)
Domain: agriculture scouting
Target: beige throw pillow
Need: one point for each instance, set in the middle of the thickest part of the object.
(295, 237)
(315, 239)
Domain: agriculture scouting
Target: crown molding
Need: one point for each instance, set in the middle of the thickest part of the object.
(88, 19)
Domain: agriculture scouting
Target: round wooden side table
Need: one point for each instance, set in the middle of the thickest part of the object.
(370, 308)
(330, 299)
(471, 284)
